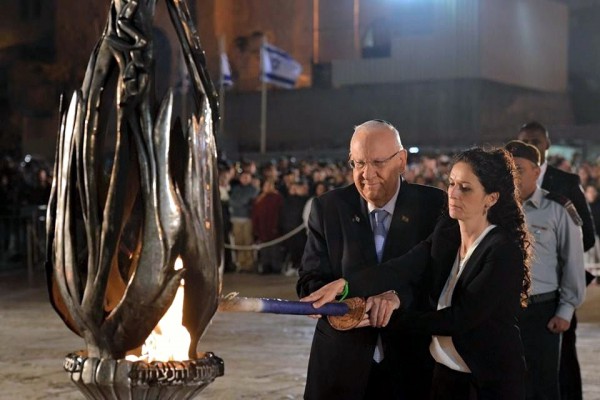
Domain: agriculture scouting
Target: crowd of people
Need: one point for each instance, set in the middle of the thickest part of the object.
(276, 201)
(589, 174)
(24, 192)
(24, 183)
(264, 202)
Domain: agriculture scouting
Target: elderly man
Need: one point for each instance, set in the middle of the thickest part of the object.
(377, 218)
(568, 185)
(557, 274)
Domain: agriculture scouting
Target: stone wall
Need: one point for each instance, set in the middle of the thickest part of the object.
(446, 114)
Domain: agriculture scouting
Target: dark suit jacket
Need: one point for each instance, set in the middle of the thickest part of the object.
(340, 241)
(485, 304)
(567, 184)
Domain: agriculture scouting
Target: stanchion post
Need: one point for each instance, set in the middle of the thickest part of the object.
(29, 235)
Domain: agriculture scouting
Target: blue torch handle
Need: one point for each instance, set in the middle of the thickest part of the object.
(278, 306)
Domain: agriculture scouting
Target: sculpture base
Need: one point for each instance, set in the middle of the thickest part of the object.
(122, 379)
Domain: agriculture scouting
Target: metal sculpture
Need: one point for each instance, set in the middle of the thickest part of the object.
(114, 233)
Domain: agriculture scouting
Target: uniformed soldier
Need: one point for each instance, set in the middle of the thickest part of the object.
(557, 273)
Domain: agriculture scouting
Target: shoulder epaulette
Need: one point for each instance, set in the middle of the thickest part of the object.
(568, 205)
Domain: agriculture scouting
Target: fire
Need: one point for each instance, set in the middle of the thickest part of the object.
(170, 340)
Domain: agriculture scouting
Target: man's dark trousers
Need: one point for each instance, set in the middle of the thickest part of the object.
(542, 351)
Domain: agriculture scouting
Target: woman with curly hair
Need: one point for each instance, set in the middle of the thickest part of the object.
(464, 285)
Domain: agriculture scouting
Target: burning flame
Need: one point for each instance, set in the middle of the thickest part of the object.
(170, 340)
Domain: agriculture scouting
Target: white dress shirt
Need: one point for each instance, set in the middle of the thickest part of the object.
(442, 348)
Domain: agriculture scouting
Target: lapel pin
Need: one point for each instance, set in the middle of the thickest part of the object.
(404, 218)
(355, 219)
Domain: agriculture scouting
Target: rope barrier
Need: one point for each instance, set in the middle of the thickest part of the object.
(259, 246)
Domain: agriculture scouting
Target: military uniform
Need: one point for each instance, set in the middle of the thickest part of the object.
(558, 286)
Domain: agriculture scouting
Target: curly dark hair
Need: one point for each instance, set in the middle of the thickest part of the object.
(496, 171)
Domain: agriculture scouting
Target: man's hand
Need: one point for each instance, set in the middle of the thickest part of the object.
(558, 325)
(326, 294)
(380, 309)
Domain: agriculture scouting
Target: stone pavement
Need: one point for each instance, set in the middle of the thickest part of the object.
(265, 355)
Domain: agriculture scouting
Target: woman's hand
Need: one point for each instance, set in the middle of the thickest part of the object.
(326, 294)
(380, 309)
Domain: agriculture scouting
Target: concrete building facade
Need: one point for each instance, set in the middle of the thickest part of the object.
(447, 73)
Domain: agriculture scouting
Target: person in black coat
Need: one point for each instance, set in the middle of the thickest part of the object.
(289, 219)
(558, 181)
(475, 271)
(340, 241)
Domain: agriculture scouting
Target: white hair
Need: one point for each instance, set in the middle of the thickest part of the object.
(378, 124)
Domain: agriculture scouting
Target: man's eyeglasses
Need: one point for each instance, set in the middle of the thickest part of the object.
(377, 164)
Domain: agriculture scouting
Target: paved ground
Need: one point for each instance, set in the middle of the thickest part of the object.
(265, 355)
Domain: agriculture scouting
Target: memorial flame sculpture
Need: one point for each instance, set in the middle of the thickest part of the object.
(115, 232)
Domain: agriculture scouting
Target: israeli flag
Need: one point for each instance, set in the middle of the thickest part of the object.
(226, 79)
(278, 67)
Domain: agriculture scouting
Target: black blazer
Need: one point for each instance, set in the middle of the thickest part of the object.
(569, 185)
(485, 304)
(340, 241)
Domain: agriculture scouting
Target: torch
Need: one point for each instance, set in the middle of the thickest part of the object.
(343, 315)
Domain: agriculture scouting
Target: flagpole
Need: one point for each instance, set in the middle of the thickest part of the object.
(263, 104)
(221, 88)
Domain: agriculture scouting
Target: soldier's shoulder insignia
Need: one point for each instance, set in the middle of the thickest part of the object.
(568, 205)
